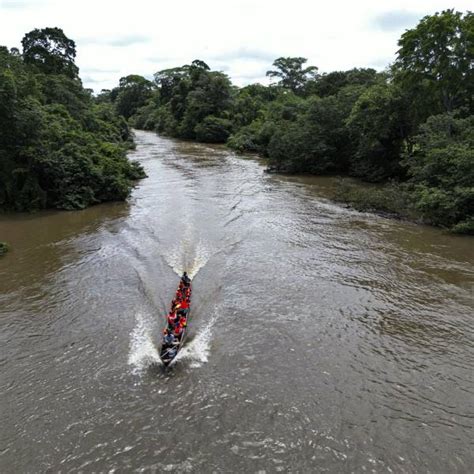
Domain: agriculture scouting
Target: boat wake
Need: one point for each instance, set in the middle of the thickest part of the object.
(197, 350)
(143, 352)
(184, 258)
(201, 257)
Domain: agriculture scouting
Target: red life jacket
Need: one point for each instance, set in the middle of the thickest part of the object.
(171, 319)
(184, 304)
(178, 329)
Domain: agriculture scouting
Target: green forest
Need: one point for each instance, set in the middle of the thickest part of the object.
(409, 128)
(58, 147)
(408, 132)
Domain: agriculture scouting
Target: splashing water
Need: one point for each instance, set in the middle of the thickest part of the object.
(197, 350)
(201, 257)
(183, 258)
(143, 351)
(175, 259)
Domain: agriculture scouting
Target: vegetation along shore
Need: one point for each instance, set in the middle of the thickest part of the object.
(3, 248)
(409, 129)
(58, 147)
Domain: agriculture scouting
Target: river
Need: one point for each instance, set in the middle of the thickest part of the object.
(321, 339)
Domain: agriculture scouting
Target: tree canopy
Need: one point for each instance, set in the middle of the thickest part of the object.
(439, 55)
(132, 93)
(442, 171)
(50, 51)
(57, 147)
(291, 73)
(384, 127)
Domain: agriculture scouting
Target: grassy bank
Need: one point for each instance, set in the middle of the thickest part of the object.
(391, 200)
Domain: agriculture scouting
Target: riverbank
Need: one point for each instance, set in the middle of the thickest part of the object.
(391, 200)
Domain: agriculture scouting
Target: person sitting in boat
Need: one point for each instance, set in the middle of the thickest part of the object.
(172, 318)
(185, 279)
(183, 308)
(178, 331)
(169, 339)
(176, 306)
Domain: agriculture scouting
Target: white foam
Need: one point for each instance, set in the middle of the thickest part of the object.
(184, 257)
(143, 351)
(197, 350)
(201, 257)
(175, 259)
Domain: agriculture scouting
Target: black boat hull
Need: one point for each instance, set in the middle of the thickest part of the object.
(166, 356)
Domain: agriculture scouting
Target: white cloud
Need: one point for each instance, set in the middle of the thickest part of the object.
(396, 19)
(115, 38)
(119, 41)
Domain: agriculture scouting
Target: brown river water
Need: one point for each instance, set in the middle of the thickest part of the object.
(321, 339)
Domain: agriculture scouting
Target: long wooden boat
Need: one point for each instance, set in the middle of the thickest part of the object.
(168, 353)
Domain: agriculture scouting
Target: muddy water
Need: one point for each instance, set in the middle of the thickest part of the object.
(321, 339)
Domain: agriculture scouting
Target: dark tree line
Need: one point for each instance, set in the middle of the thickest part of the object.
(58, 147)
(411, 125)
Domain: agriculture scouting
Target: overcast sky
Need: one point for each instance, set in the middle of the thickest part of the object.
(115, 38)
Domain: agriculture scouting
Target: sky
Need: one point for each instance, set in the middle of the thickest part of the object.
(115, 38)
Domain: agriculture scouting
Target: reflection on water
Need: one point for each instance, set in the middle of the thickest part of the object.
(320, 339)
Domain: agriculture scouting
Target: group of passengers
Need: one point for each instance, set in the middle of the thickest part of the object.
(177, 317)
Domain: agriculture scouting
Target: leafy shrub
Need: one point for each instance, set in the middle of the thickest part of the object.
(391, 198)
(3, 248)
(441, 168)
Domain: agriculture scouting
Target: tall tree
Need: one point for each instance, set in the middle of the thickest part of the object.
(51, 51)
(210, 96)
(292, 74)
(437, 58)
(331, 83)
(378, 126)
(168, 79)
(57, 148)
(134, 91)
